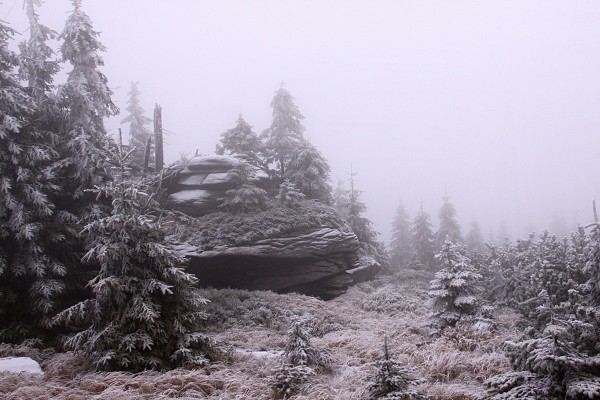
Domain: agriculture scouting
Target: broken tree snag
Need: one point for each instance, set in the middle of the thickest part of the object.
(158, 138)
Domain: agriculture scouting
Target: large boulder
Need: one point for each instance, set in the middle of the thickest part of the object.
(307, 249)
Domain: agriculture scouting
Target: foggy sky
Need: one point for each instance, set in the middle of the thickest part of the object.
(493, 103)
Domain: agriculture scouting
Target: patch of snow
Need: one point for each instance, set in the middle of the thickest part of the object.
(194, 179)
(217, 178)
(185, 196)
(213, 163)
(269, 354)
(20, 364)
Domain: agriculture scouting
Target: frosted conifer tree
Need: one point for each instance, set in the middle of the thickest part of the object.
(36, 66)
(301, 359)
(241, 142)
(340, 199)
(286, 132)
(86, 99)
(30, 269)
(401, 251)
(454, 289)
(246, 197)
(449, 229)
(145, 312)
(289, 195)
(422, 240)
(392, 380)
(139, 134)
(474, 238)
(363, 227)
(309, 171)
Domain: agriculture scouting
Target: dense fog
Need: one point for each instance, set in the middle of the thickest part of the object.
(492, 103)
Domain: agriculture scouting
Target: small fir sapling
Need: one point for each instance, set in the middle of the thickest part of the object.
(401, 250)
(246, 197)
(392, 381)
(449, 229)
(422, 240)
(301, 359)
(289, 196)
(145, 312)
(454, 290)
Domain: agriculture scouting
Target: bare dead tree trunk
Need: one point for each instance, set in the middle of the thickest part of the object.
(158, 138)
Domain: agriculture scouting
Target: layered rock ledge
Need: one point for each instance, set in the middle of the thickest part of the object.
(306, 249)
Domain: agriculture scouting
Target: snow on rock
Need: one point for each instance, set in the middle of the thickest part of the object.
(194, 202)
(20, 364)
(197, 189)
(213, 163)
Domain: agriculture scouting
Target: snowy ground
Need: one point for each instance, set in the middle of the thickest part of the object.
(20, 364)
(254, 325)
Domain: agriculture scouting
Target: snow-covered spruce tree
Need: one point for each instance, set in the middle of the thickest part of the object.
(454, 289)
(241, 142)
(401, 251)
(340, 199)
(363, 227)
(139, 134)
(474, 238)
(145, 312)
(86, 101)
(301, 359)
(286, 132)
(449, 229)
(422, 239)
(289, 196)
(246, 197)
(309, 171)
(31, 270)
(36, 66)
(392, 380)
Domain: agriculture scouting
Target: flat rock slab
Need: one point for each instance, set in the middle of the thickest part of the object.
(20, 364)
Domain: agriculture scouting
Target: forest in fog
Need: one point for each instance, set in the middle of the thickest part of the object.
(249, 271)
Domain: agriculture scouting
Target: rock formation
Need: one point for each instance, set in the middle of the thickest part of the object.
(306, 249)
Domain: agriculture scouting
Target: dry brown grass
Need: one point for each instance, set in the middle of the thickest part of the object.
(254, 325)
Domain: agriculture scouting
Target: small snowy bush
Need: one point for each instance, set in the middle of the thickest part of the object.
(392, 380)
(454, 289)
(289, 195)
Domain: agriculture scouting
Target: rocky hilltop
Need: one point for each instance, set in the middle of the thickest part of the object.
(306, 249)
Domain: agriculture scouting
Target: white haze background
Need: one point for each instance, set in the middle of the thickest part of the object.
(494, 103)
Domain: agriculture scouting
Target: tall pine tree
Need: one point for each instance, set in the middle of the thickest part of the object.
(286, 132)
(30, 272)
(474, 238)
(86, 99)
(401, 251)
(139, 134)
(449, 229)
(422, 239)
